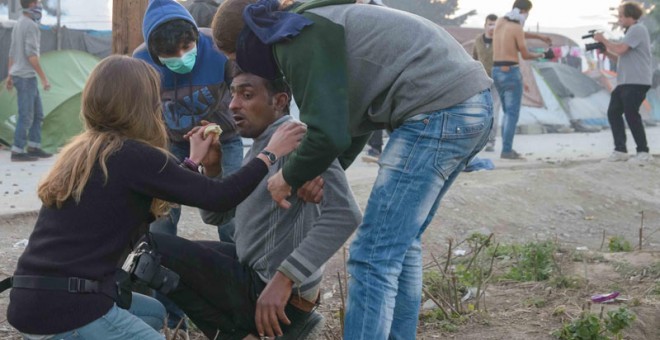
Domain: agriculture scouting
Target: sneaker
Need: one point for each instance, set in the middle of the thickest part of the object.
(617, 156)
(22, 157)
(309, 328)
(373, 153)
(372, 156)
(490, 147)
(641, 158)
(511, 155)
(37, 152)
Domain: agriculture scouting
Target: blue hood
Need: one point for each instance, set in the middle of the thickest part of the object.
(210, 63)
(162, 11)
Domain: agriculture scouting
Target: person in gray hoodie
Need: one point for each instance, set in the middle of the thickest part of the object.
(275, 269)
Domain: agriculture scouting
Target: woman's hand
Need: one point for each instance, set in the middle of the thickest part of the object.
(199, 146)
(286, 138)
(213, 160)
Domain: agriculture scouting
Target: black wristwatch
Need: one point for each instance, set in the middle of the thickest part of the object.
(272, 158)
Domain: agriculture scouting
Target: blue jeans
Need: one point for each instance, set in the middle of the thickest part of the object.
(509, 85)
(143, 320)
(232, 157)
(30, 114)
(421, 161)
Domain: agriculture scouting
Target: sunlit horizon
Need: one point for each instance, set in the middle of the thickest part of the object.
(553, 15)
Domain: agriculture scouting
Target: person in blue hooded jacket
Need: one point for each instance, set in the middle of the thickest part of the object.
(194, 87)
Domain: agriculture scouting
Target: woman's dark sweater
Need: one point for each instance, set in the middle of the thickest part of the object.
(87, 239)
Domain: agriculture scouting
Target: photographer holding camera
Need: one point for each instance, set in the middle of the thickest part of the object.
(634, 77)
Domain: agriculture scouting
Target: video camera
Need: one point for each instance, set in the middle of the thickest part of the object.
(593, 46)
(143, 266)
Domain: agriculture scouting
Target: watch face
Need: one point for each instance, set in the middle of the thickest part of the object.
(271, 156)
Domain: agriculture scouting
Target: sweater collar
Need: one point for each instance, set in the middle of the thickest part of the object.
(260, 142)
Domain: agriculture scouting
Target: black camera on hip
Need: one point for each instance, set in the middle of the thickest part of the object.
(593, 46)
(143, 265)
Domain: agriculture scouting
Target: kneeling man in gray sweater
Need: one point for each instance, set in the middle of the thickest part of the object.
(268, 282)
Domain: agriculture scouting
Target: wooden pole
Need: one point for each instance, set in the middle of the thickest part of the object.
(59, 25)
(127, 25)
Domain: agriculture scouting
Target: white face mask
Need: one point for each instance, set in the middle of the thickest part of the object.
(523, 18)
(517, 16)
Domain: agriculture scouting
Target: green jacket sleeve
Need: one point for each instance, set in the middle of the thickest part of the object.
(314, 65)
(349, 155)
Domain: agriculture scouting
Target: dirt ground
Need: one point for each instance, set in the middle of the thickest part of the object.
(571, 203)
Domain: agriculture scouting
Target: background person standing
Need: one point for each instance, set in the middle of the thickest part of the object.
(24, 67)
(483, 52)
(508, 42)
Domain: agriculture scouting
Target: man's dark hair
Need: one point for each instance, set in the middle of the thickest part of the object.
(168, 37)
(491, 17)
(632, 10)
(27, 3)
(273, 87)
(523, 4)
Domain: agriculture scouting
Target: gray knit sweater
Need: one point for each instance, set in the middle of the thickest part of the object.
(296, 241)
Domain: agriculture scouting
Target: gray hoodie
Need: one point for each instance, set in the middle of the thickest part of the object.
(296, 241)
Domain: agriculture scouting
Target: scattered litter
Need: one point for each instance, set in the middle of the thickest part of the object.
(21, 244)
(582, 248)
(471, 292)
(327, 296)
(429, 305)
(460, 252)
(604, 298)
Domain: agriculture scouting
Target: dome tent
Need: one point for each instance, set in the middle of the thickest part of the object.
(67, 72)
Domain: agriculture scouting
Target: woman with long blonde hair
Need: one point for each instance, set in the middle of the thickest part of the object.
(105, 188)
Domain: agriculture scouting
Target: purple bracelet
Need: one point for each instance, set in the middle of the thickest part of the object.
(190, 164)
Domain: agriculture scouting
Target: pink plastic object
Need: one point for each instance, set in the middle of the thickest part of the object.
(600, 298)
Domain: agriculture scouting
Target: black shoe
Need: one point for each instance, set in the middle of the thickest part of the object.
(37, 152)
(304, 326)
(22, 157)
(511, 155)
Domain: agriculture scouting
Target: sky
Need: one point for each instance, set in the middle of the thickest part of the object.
(556, 16)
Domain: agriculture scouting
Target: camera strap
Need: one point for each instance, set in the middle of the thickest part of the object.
(69, 284)
(74, 285)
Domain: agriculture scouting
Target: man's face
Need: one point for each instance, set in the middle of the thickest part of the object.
(489, 28)
(253, 107)
(624, 21)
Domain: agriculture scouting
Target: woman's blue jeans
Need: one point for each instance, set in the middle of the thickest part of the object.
(421, 160)
(142, 321)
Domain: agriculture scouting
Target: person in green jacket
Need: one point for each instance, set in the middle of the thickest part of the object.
(354, 69)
